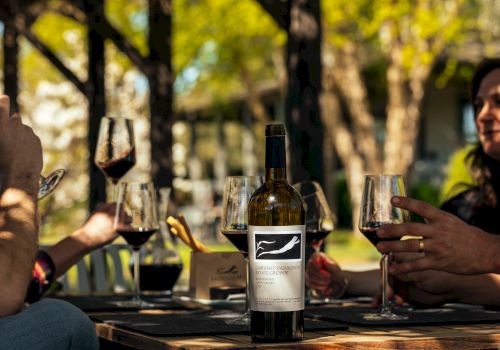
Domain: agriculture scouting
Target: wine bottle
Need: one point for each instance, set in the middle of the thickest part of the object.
(276, 243)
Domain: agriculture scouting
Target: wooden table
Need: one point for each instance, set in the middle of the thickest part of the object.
(484, 336)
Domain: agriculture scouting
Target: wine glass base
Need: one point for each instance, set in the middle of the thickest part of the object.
(136, 303)
(243, 320)
(384, 315)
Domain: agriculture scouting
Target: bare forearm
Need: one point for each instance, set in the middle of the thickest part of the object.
(365, 283)
(478, 289)
(18, 246)
(67, 252)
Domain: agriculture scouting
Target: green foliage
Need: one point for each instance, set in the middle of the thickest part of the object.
(421, 26)
(216, 41)
(458, 174)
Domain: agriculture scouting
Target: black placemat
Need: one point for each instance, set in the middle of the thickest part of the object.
(105, 302)
(192, 324)
(416, 316)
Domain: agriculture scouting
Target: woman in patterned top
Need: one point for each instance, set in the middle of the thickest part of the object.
(457, 259)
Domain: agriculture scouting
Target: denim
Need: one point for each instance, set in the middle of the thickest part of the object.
(48, 324)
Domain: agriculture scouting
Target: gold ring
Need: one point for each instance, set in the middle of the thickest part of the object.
(421, 245)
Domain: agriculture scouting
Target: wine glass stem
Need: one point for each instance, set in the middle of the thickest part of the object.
(385, 282)
(137, 290)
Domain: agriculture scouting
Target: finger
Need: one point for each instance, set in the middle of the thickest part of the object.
(422, 264)
(406, 229)
(407, 245)
(4, 110)
(421, 208)
(411, 277)
(401, 257)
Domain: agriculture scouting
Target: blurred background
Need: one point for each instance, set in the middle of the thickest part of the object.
(362, 86)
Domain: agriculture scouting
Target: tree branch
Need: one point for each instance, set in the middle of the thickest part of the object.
(20, 26)
(278, 10)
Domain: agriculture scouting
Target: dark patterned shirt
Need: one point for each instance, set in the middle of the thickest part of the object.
(468, 207)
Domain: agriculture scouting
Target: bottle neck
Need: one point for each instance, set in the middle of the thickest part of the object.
(275, 158)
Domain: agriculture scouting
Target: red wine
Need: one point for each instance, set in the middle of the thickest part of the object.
(138, 237)
(239, 238)
(158, 277)
(370, 232)
(316, 237)
(115, 169)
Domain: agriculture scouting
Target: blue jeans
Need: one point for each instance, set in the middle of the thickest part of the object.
(48, 324)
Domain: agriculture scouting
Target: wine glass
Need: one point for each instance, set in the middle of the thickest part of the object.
(319, 223)
(234, 222)
(136, 220)
(376, 211)
(160, 262)
(47, 184)
(115, 150)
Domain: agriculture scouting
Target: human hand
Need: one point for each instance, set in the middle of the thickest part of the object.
(429, 288)
(325, 276)
(449, 243)
(98, 229)
(20, 151)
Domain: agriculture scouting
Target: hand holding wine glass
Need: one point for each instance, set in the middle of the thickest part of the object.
(376, 211)
(234, 222)
(319, 223)
(136, 220)
(115, 150)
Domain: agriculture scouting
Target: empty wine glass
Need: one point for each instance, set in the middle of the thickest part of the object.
(115, 150)
(136, 220)
(376, 211)
(319, 223)
(234, 222)
(47, 184)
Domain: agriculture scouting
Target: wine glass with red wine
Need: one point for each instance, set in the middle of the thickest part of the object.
(234, 222)
(319, 223)
(376, 211)
(136, 220)
(115, 150)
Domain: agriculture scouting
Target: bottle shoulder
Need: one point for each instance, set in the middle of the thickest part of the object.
(277, 192)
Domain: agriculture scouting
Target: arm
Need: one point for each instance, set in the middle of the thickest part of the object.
(20, 167)
(450, 244)
(326, 276)
(437, 287)
(95, 232)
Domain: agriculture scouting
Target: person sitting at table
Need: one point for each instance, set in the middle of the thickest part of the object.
(48, 324)
(457, 240)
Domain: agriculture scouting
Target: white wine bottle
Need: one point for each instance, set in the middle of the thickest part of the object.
(276, 243)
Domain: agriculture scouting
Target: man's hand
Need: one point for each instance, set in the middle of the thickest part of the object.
(20, 152)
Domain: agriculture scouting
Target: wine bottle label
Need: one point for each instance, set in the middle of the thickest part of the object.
(276, 256)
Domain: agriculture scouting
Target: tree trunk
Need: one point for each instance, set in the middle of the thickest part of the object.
(96, 98)
(161, 94)
(304, 87)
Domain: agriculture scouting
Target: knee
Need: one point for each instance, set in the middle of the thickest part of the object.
(75, 325)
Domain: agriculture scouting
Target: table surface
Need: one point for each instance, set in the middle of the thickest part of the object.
(481, 336)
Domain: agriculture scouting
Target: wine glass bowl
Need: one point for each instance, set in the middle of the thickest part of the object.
(47, 184)
(115, 150)
(319, 223)
(376, 211)
(234, 221)
(136, 221)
